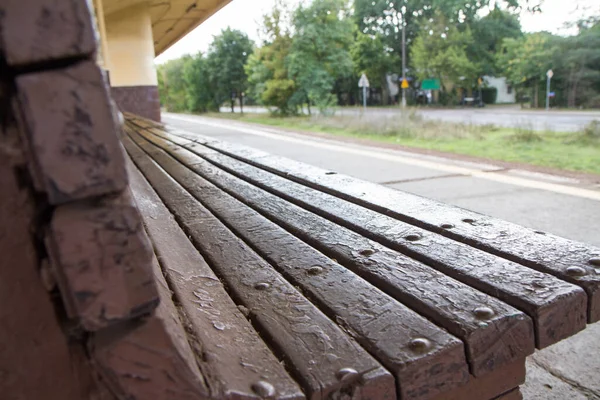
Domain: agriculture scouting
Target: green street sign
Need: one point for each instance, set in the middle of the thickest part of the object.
(430, 84)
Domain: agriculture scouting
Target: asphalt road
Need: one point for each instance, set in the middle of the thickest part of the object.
(510, 116)
(548, 203)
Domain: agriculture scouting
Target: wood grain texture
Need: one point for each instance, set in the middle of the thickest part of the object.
(31, 336)
(69, 124)
(558, 308)
(568, 260)
(232, 360)
(496, 339)
(325, 361)
(387, 329)
(43, 31)
(151, 358)
(103, 261)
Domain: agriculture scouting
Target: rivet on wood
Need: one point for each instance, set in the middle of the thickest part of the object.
(263, 389)
(412, 237)
(419, 344)
(366, 252)
(315, 270)
(468, 220)
(345, 374)
(595, 261)
(483, 312)
(447, 226)
(576, 271)
(262, 286)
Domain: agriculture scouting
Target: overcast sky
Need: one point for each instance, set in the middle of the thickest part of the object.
(245, 15)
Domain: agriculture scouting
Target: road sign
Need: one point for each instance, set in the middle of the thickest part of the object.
(550, 74)
(430, 84)
(363, 82)
(404, 84)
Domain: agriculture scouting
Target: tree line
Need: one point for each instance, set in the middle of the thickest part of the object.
(311, 56)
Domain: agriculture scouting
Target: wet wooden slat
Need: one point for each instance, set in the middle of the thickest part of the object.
(557, 308)
(320, 355)
(368, 314)
(493, 332)
(571, 261)
(234, 360)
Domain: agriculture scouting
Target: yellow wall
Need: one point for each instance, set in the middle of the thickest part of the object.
(131, 47)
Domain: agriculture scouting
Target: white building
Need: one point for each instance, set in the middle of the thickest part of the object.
(506, 93)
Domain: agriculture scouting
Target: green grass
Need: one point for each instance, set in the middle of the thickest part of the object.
(578, 151)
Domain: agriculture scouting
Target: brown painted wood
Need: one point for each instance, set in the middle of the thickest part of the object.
(36, 359)
(571, 261)
(367, 313)
(37, 31)
(514, 394)
(76, 148)
(150, 359)
(502, 380)
(494, 333)
(326, 362)
(558, 308)
(233, 360)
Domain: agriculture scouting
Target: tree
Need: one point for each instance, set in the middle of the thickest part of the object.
(386, 18)
(440, 52)
(268, 75)
(320, 51)
(227, 55)
(199, 91)
(172, 87)
(490, 31)
(577, 63)
(373, 58)
(525, 61)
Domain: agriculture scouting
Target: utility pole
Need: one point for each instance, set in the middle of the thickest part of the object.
(549, 74)
(403, 59)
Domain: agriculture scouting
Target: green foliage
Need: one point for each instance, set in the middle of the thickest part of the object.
(525, 61)
(440, 52)
(268, 76)
(490, 32)
(227, 56)
(577, 66)
(320, 51)
(373, 58)
(314, 54)
(489, 95)
(199, 91)
(172, 86)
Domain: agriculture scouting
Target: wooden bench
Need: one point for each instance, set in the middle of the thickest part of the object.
(292, 281)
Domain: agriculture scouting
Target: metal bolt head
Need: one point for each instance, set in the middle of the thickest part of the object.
(413, 237)
(575, 271)
(366, 252)
(346, 374)
(595, 261)
(469, 220)
(315, 270)
(483, 312)
(419, 344)
(263, 389)
(262, 286)
(447, 226)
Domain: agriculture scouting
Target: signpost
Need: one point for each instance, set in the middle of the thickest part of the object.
(549, 74)
(364, 84)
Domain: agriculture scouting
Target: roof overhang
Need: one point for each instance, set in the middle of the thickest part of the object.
(171, 19)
